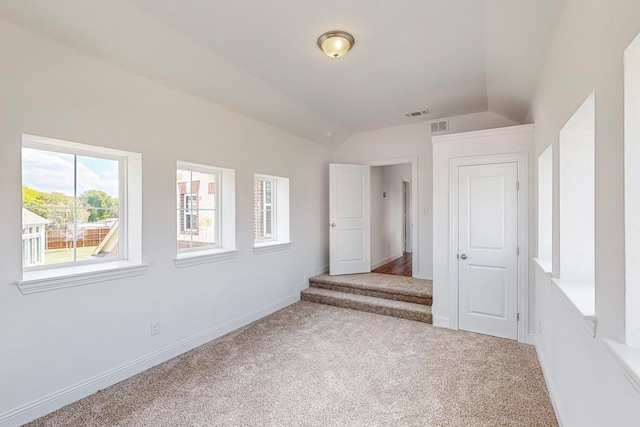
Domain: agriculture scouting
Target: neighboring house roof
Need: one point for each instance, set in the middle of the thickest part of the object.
(29, 218)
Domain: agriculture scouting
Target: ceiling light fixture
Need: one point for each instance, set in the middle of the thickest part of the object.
(335, 43)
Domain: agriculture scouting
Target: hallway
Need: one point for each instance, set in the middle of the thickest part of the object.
(398, 267)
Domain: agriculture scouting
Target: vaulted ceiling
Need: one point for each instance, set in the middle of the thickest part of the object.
(260, 58)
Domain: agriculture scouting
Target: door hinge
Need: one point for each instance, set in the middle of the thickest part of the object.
(518, 317)
(518, 251)
(517, 185)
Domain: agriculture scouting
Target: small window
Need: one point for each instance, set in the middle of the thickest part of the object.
(198, 218)
(265, 208)
(206, 214)
(271, 211)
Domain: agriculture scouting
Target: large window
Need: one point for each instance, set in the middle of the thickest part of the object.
(270, 212)
(71, 208)
(81, 214)
(198, 200)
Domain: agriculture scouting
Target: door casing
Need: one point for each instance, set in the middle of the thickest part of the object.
(523, 233)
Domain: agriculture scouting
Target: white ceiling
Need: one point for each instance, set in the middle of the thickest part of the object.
(260, 58)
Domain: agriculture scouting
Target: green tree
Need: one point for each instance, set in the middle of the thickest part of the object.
(105, 206)
(33, 200)
(57, 207)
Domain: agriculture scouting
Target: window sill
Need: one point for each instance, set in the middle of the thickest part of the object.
(544, 264)
(581, 297)
(204, 257)
(260, 248)
(47, 280)
(629, 359)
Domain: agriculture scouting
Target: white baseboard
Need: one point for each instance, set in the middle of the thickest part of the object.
(427, 275)
(47, 404)
(551, 389)
(383, 262)
(302, 286)
(441, 321)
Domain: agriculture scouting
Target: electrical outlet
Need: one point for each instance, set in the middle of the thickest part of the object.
(155, 327)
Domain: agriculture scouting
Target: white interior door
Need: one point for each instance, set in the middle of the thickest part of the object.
(349, 219)
(488, 249)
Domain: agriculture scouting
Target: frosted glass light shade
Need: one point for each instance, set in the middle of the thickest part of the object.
(335, 43)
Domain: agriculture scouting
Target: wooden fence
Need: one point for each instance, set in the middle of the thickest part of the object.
(61, 239)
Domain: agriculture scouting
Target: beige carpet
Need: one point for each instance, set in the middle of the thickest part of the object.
(318, 365)
(381, 282)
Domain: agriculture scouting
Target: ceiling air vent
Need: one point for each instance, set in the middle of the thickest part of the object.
(417, 113)
(441, 126)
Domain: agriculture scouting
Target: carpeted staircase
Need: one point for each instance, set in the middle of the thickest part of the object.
(396, 296)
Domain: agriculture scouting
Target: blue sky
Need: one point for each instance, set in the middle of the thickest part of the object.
(48, 171)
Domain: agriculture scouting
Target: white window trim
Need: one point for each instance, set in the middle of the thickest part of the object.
(280, 217)
(629, 359)
(81, 273)
(545, 208)
(270, 246)
(225, 219)
(631, 191)
(581, 297)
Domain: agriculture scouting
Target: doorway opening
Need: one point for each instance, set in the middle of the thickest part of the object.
(391, 219)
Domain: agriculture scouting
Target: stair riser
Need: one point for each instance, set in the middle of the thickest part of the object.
(371, 293)
(387, 311)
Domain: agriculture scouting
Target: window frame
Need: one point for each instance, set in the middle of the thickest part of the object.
(129, 262)
(217, 206)
(280, 216)
(122, 205)
(225, 207)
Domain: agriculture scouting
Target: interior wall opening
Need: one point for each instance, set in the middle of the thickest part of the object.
(391, 221)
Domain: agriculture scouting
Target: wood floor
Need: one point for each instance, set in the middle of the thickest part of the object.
(398, 267)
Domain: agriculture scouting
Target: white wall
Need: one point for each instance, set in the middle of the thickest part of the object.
(407, 141)
(586, 55)
(545, 205)
(516, 139)
(62, 341)
(577, 172)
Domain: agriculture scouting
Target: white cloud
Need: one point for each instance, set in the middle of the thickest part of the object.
(48, 171)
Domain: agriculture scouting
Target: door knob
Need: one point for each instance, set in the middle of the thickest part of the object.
(333, 224)
(463, 256)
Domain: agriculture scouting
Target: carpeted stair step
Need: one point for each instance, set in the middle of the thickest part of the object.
(385, 286)
(401, 309)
